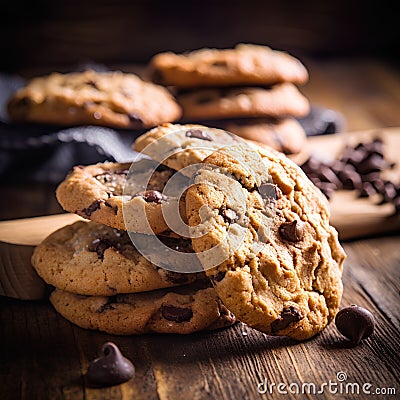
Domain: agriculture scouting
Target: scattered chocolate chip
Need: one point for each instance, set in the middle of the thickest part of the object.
(100, 246)
(135, 118)
(355, 323)
(269, 191)
(326, 188)
(88, 211)
(112, 368)
(350, 179)
(288, 316)
(367, 190)
(177, 314)
(151, 196)
(292, 231)
(229, 215)
(389, 191)
(198, 134)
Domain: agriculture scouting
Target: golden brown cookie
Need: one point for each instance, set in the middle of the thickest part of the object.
(96, 192)
(182, 310)
(246, 64)
(92, 259)
(263, 236)
(277, 101)
(113, 99)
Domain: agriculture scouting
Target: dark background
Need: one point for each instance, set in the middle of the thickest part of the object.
(47, 34)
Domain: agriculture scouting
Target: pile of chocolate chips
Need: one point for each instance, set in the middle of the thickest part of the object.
(359, 168)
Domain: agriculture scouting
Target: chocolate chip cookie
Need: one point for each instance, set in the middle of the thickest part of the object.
(246, 64)
(113, 99)
(262, 233)
(280, 100)
(93, 259)
(96, 192)
(182, 310)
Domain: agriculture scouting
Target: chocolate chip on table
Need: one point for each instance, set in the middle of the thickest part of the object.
(359, 168)
(367, 190)
(355, 323)
(176, 314)
(198, 134)
(288, 316)
(292, 231)
(112, 368)
(88, 211)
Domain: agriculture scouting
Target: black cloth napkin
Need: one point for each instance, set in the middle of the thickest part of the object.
(43, 153)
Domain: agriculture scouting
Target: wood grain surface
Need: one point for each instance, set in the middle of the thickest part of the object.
(45, 357)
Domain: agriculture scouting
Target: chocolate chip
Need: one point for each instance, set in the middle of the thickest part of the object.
(92, 208)
(92, 84)
(269, 191)
(100, 246)
(177, 314)
(198, 134)
(151, 196)
(135, 118)
(328, 175)
(367, 190)
(114, 208)
(219, 64)
(326, 188)
(157, 76)
(355, 323)
(389, 191)
(350, 179)
(292, 231)
(175, 277)
(112, 368)
(220, 275)
(229, 215)
(288, 316)
(373, 163)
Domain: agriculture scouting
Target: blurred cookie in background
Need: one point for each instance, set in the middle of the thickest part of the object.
(112, 99)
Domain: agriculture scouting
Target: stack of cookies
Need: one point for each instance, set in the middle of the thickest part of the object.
(258, 245)
(249, 90)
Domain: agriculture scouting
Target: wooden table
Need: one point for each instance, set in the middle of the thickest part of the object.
(44, 357)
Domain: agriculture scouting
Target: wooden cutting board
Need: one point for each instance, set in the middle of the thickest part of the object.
(353, 217)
